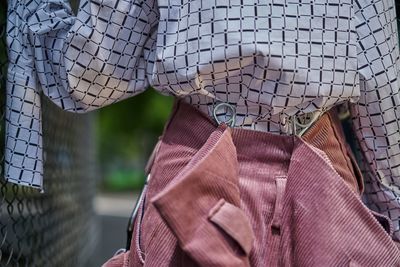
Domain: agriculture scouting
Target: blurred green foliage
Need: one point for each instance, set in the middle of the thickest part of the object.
(126, 133)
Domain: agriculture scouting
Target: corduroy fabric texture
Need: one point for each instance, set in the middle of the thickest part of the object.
(328, 136)
(234, 197)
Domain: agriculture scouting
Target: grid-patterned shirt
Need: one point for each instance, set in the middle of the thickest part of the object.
(270, 59)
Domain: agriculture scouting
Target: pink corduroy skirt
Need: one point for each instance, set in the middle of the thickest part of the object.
(221, 196)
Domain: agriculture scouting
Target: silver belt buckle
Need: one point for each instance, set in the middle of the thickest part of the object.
(301, 124)
(226, 110)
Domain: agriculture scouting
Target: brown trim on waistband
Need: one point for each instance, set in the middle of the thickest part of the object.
(327, 135)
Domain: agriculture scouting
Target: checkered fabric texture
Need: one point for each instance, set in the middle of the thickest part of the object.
(270, 59)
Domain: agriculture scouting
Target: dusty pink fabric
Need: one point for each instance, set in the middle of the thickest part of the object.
(235, 197)
(120, 260)
(327, 135)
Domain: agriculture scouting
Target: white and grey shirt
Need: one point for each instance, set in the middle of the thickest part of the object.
(270, 59)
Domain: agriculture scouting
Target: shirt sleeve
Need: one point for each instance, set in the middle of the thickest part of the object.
(376, 116)
(102, 55)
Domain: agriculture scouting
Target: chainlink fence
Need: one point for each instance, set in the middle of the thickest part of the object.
(57, 228)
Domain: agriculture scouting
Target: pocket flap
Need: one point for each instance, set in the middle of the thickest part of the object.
(234, 222)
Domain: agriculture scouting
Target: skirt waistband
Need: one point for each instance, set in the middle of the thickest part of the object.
(190, 127)
(250, 117)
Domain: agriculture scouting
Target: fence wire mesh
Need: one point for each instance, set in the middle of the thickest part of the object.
(57, 228)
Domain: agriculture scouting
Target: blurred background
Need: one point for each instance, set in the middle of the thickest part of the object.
(93, 173)
(126, 133)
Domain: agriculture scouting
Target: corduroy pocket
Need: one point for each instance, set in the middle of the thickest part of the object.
(380, 219)
(209, 228)
(201, 206)
(333, 217)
